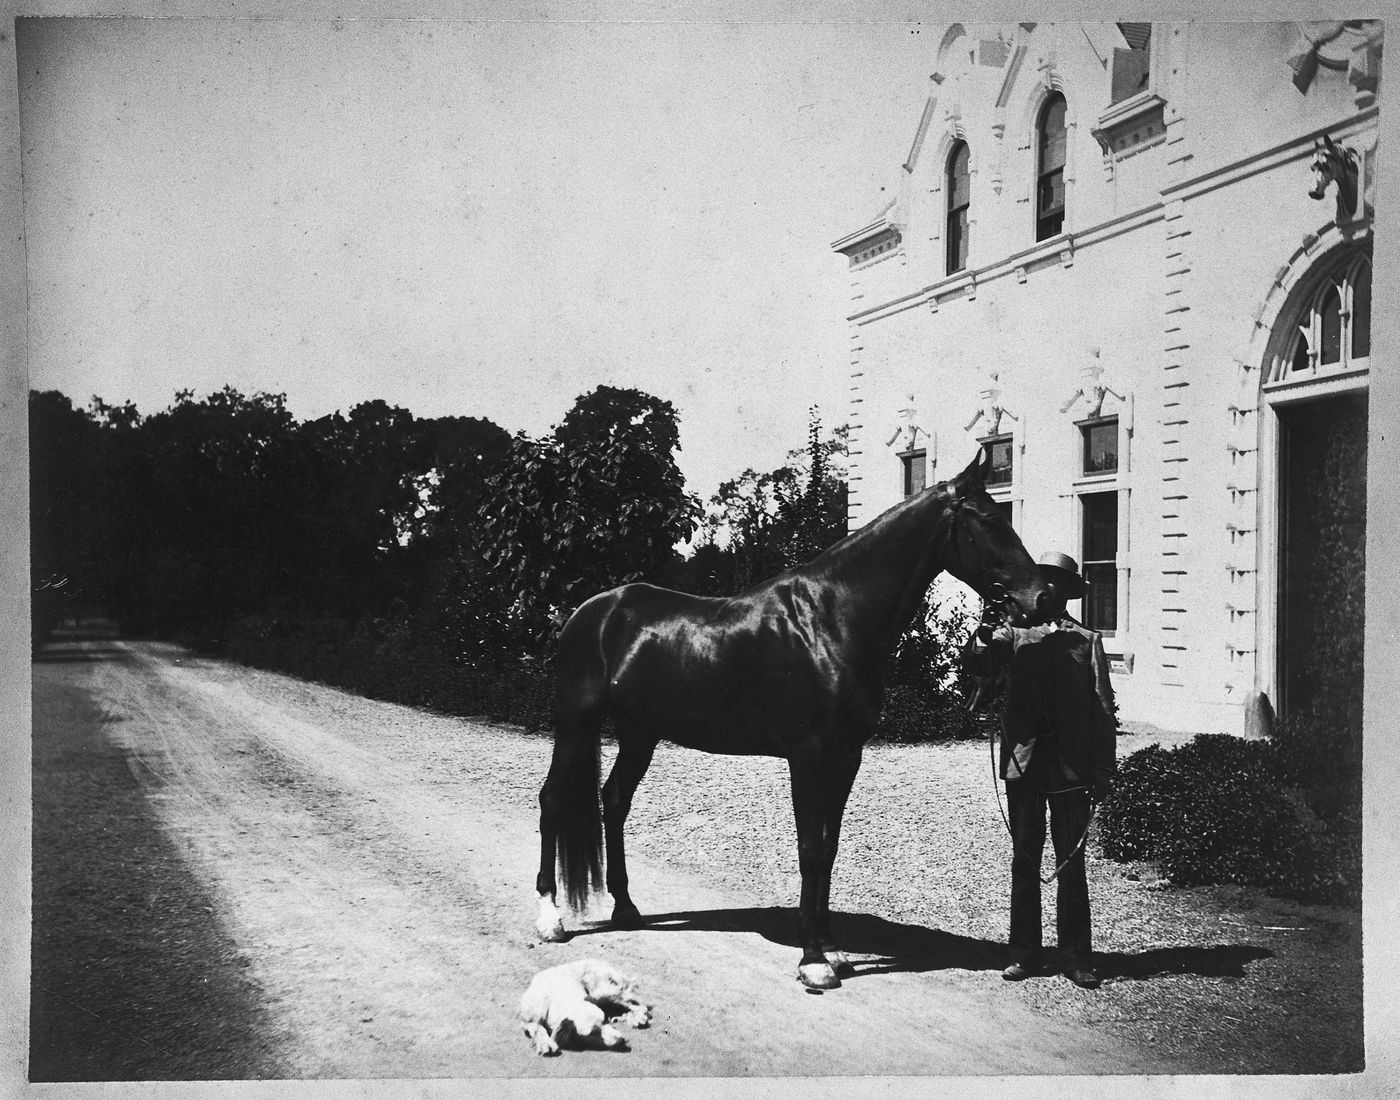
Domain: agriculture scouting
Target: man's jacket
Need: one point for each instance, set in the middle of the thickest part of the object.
(1058, 698)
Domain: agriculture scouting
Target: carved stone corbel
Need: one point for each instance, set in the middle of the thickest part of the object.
(1093, 390)
(991, 412)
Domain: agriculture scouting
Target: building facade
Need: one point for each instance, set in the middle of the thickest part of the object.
(1132, 261)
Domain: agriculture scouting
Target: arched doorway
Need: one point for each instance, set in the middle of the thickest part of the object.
(1313, 468)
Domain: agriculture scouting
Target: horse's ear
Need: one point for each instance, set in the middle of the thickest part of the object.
(978, 469)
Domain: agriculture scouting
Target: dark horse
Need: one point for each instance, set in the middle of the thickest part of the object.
(792, 668)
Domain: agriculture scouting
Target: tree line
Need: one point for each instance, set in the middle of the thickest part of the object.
(390, 553)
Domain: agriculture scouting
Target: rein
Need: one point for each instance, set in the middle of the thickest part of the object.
(1000, 711)
(996, 788)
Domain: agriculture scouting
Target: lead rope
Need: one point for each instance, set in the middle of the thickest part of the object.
(996, 787)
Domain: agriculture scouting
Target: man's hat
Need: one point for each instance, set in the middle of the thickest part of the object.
(1065, 570)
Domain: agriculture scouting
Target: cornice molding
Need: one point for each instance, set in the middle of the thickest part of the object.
(884, 222)
(1060, 249)
(1142, 113)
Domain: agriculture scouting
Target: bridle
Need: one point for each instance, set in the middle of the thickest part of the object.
(999, 604)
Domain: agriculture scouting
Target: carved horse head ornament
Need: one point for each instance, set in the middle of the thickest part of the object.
(1333, 163)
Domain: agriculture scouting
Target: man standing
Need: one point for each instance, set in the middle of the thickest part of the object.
(1058, 753)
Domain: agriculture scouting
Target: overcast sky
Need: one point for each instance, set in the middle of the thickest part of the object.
(482, 218)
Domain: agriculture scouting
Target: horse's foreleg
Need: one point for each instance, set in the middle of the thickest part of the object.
(808, 805)
(633, 759)
(840, 778)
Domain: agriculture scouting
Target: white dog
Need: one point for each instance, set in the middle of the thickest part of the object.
(571, 1004)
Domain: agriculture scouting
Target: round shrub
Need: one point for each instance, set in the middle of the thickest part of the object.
(1213, 811)
(1145, 806)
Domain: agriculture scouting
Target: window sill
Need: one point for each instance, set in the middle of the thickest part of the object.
(1095, 481)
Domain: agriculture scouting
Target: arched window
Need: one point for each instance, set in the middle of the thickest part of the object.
(1050, 169)
(1334, 327)
(959, 193)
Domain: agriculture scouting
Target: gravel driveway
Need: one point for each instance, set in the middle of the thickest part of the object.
(354, 879)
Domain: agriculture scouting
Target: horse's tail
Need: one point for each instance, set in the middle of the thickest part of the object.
(580, 698)
(579, 825)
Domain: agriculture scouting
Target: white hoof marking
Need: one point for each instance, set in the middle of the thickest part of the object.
(549, 925)
(818, 976)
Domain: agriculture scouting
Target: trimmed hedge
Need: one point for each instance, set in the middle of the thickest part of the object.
(384, 658)
(461, 657)
(914, 714)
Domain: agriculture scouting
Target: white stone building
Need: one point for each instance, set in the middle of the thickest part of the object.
(1103, 262)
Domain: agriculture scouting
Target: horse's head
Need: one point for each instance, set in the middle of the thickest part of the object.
(986, 554)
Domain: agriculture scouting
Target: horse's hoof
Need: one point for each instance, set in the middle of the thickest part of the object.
(626, 916)
(551, 932)
(818, 975)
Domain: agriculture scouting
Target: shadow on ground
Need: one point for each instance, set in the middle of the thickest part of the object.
(133, 975)
(896, 948)
(61, 654)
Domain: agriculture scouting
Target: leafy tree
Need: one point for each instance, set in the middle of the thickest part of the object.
(462, 451)
(598, 503)
(210, 493)
(774, 520)
(361, 495)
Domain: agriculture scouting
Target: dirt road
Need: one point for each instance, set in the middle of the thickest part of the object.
(373, 866)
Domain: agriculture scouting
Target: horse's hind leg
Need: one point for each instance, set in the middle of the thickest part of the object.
(633, 758)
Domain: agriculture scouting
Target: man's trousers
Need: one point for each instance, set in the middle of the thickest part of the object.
(1027, 803)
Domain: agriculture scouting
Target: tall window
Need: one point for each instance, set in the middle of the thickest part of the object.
(1000, 450)
(915, 471)
(1334, 331)
(1100, 446)
(1101, 560)
(959, 191)
(1050, 169)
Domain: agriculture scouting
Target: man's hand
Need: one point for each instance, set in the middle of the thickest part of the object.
(1103, 787)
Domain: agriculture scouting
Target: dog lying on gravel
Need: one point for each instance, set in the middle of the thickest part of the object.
(572, 1005)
